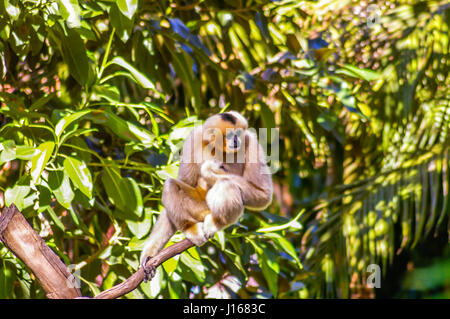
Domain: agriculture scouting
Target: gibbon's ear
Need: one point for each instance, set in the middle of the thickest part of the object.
(209, 135)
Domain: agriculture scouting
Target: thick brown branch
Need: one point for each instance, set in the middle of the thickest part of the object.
(19, 237)
(134, 280)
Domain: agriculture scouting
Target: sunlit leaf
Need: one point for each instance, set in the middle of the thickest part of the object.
(67, 120)
(8, 151)
(366, 74)
(128, 7)
(17, 194)
(122, 128)
(70, 11)
(59, 183)
(138, 76)
(121, 23)
(79, 174)
(40, 159)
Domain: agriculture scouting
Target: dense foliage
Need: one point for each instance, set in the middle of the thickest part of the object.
(96, 98)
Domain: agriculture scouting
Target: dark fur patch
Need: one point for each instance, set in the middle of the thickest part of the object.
(228, 118)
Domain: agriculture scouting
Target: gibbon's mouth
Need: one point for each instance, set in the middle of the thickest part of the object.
(234, 144)
(232, 149)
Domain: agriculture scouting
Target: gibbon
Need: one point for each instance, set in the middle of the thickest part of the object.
(222, 170)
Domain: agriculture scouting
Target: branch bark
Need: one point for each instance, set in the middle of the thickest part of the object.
(19, 237)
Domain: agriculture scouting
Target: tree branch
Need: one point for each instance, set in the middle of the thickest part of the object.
(21, 239)
(134, 280)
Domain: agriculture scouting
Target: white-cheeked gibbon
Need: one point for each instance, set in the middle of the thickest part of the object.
(222, 170)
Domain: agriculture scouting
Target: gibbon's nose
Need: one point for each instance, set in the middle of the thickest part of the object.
(236, 142)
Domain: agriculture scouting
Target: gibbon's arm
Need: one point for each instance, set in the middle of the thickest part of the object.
(197, 193)
(189, 171)
(256, 181)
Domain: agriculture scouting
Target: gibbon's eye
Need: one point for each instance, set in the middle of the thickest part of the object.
(239, 132)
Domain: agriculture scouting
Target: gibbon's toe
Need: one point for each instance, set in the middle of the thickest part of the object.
(149, 271)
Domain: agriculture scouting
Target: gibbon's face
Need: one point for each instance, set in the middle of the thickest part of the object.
(229, 130)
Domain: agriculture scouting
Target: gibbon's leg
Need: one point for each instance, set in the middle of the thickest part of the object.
(225, 202)
(160, 235)
(184, 209)
(187, 209)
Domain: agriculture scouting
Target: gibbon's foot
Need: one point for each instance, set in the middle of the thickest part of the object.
(149, 271)
(209, 228)
(196, 235)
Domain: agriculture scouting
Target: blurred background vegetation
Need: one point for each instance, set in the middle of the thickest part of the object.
(96, 96)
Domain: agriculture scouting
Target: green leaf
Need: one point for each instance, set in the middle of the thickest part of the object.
(42, 101)
(25, 152)
(236, 261)
(128, 7)
(365, 74)
(142, 227)
(70, 11)
(269, 266)
(79, 174)
(292, 223)
(8, 151)
(196, 266)
(121, 23)
(285, 245)
(171, 264)
(175, 287)
(55, 218)
(124, 193)
(16, 195)
(183, 65)
(138, 76)
(74, 54)
(268, 121)
(168, 171)
(12, 10)
(40, 159)
(124, 129)
(109, 92)
(8, 278)
(270, 269)
(67, 120)
(139, 228)
(59, 183)
(327, 120)
(44, 196)
(157, 283)
(3, 66)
